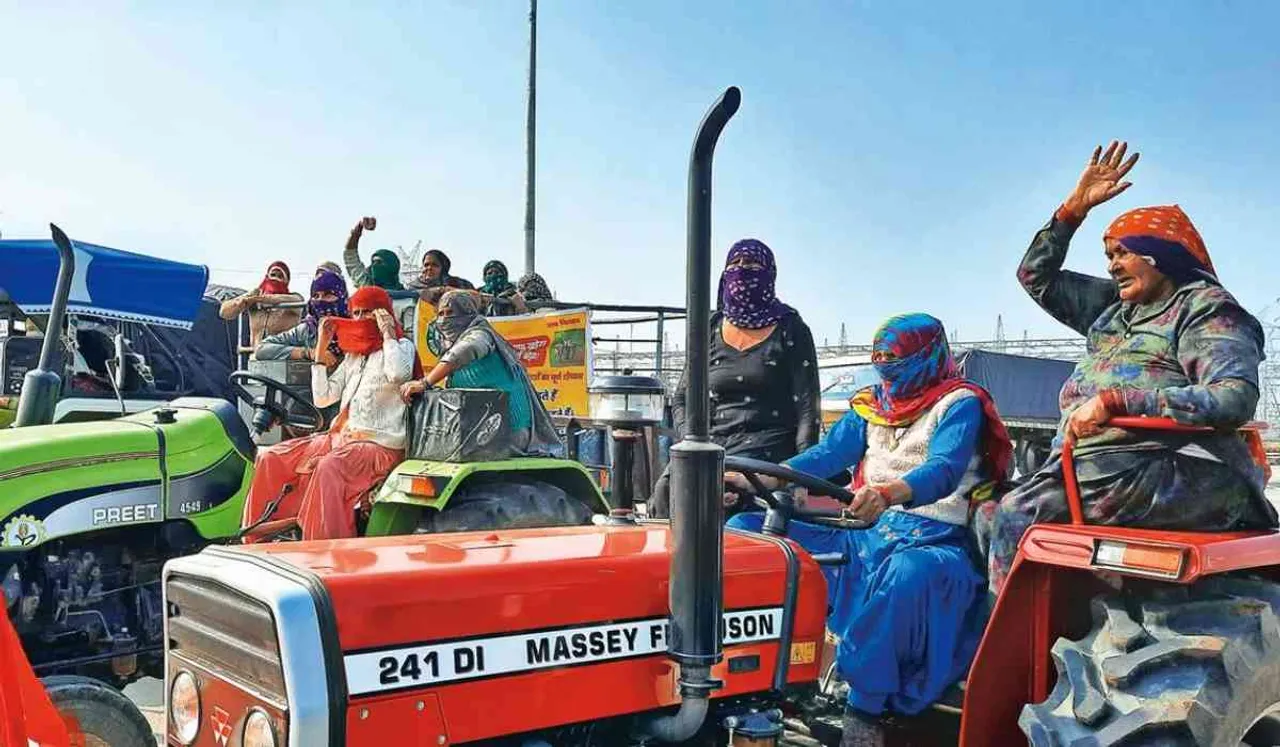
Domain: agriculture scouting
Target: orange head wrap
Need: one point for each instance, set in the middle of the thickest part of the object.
(361, 336)
(1166, 235)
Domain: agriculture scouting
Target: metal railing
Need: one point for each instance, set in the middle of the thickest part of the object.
(642, 351)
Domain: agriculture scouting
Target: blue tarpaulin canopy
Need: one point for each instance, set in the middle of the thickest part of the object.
(107, 282)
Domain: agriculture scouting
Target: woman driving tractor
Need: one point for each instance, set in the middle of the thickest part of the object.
(318, 479)
(1164, 339)
(908, 606)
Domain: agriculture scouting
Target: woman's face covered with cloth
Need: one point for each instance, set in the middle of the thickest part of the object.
(361, 334)
(457, 311)
(1152, 250)
(747, 296)
(496, 280)
(276, 282)
(384, 270)
(911, 354)
(328, 298)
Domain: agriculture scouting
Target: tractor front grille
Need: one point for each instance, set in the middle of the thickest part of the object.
(224, 631)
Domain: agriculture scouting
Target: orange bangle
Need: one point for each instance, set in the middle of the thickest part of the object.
(1064, 214)
(884, 494)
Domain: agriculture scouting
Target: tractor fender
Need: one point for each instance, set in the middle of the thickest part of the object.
(1047, 596)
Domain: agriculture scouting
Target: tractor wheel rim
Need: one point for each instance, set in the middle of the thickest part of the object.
(1265, 729)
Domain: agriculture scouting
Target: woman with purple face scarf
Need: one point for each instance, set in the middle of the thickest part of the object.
(328, 298)
(765, 397)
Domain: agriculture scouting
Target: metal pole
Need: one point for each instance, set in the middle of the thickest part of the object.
(657, 356)
(698, 294)
(530, 139)
(37, 404)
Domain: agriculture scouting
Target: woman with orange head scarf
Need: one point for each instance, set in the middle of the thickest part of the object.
(1165, 339)
(328, 473)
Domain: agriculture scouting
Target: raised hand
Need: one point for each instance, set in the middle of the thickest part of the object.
(1101, 179)
(386, 324)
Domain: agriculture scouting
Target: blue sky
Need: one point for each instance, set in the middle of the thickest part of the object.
(896, 158)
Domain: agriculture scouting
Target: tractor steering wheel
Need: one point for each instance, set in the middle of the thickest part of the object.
(782, 500)
(275, 401)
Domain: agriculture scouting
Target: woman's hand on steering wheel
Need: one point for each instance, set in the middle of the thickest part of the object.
(868, 504)
(738, 486)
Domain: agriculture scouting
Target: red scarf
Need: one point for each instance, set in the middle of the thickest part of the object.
(275, 287)
(995, 448)
(362, 336)
(358, 336)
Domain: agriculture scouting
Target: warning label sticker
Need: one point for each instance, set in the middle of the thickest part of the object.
(441, 663)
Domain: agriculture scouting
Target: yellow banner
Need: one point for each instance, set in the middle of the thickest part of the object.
(553, 347)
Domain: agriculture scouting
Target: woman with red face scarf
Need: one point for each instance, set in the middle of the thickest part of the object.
(261, 302)
(329, 472)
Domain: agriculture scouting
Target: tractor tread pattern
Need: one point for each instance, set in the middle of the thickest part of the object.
(1163, 668)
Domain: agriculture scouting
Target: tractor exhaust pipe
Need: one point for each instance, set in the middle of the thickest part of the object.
(42, 385)
(697, 468)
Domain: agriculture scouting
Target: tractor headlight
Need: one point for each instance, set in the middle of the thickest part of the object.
(258, 731)
(184, 707)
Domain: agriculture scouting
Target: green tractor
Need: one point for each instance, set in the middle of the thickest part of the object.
(90, 511)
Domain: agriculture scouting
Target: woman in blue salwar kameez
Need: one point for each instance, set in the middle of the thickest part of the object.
(909, 606)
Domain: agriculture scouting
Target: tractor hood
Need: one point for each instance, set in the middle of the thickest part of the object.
(185, 458)
(44, 448)
(386, 589)
(575, 619)
(41, 448)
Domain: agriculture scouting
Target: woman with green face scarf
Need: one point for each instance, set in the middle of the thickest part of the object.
(499, 293)
(384, 270)
(474, 356)
(384, 267)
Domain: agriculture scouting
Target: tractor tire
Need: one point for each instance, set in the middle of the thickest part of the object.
(1031, 456)
(104, 715)
(1180, 666)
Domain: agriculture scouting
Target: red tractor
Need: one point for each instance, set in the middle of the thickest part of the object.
(630, 632)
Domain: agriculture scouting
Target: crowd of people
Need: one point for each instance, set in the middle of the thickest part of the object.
(924, 451)
(366, 372)
(284, 325)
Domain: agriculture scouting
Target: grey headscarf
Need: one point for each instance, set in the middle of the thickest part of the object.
(465, 317)
(331, 267)
(464, 311)
(534, 288)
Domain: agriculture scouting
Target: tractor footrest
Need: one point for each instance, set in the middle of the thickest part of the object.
(952, 700)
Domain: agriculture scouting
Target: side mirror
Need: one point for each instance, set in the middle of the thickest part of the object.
(118, 372)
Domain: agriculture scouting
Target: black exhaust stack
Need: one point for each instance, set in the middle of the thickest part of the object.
(697, 467)
(42, 386)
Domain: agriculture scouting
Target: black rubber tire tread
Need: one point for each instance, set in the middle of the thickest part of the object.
(513, 505)
(101, 710)
(1166, 667)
